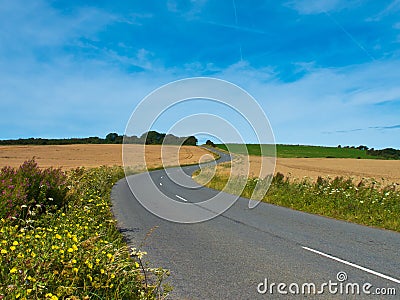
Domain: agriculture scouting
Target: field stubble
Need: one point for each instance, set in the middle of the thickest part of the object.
(73, 156)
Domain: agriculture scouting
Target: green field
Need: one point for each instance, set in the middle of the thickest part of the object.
(298, 151)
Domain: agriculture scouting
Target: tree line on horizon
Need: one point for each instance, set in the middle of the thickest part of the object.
(387, 153)
(148, 138)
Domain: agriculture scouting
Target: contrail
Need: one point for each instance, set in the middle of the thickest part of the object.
(234, 10)
(351, 37)
(236, 22)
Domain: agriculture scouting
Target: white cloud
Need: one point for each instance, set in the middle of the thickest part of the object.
(24, 27)
(327, 100)
(63, 95)
(48, 91)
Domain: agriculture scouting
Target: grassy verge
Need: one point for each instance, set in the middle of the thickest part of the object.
(366, 203)
(59, 239)
(289, 151)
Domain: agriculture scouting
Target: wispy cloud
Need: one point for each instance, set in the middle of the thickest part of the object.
(50, 27)
(386, 127)
(393, 7)
(237, 27)
(189, 9)
(307, 7)
(76, 70)
(381, 128)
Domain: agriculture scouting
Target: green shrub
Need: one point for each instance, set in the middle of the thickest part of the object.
(29, 190)
(74, 251)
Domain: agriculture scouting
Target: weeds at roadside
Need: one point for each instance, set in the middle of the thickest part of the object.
(60, 240)
(367, 203)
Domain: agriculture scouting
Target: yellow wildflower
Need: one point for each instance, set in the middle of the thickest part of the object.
(15, 243)
(13, 270)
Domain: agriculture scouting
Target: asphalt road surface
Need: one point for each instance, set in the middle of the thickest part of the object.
(263, 253)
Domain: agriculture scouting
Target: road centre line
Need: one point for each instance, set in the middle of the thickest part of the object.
(177, 196)
(352, 265)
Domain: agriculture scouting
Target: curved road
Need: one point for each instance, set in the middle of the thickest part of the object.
(234, 255)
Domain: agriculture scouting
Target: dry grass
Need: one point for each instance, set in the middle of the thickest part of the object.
(72, 156)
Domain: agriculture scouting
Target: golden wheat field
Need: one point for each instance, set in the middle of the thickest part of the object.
(384, 171)
(72, 156)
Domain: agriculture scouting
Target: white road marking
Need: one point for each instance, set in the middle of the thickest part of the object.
(177, 196)
(161, 177)
(160, 183)
(352, 265)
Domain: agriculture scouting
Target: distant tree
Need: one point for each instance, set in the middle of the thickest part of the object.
(210, 143)
(111, 137)
(132, 139)
(388, 153)
(190, 141)
(153, 137)
(362, 147)
(339, 146)
(94, 140)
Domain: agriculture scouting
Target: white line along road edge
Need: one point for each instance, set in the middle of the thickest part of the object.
(352, 265)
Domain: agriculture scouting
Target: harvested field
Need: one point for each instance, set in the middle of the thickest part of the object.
(381, 170)
(72, 156)
(384, 171)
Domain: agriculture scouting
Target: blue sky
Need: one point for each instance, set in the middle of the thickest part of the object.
(325, 72)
